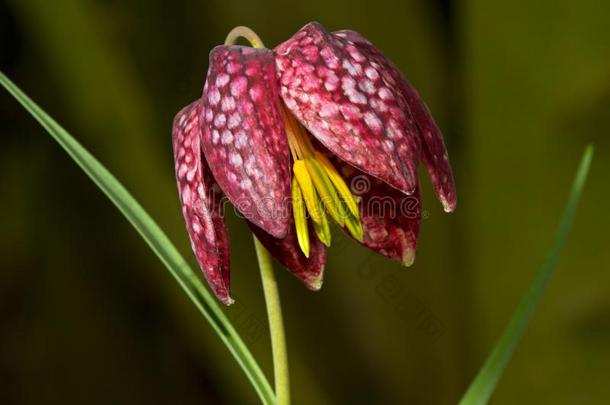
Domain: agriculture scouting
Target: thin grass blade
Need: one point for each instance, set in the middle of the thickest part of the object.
(156, 239)
(482, 387)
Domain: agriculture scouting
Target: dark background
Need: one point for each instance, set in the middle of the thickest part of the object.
(89, 315)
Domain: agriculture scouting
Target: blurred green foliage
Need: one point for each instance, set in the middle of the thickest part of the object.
(89, 315)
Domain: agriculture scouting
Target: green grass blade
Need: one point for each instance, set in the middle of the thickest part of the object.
(156, 239)
(485, 382)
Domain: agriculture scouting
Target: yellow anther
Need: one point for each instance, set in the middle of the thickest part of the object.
(309, 192)
(326, 191)
(300, 219)
(354, 226)
(337, 180)
(320, 186)
(297, 138)
(302, 181)
(322, 230)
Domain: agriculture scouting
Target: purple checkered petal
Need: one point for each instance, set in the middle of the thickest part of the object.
(350, 103)
(244, 140)
(434, 153)
(201, 205)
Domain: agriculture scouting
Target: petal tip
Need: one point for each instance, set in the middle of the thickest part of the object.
(223, 294)
(408, 257)
(315, 284)
(448, 205)
(284, 231)
(200, 205)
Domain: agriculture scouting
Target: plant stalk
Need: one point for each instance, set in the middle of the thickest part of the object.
(276, 325)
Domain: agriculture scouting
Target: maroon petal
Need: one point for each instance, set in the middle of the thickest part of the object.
(244, 140)
(350, 103)
(434, 153)
(390, 219)
(201, 206)
(286, 251)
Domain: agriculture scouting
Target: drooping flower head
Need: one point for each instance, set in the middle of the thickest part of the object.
(281, 133)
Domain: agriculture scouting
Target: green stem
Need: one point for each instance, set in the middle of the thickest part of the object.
(272, 296)
(156, 239)
(276, 325)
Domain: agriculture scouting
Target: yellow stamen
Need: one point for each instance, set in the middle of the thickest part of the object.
(296, 135)
(325, 189)
(322, 230)
(300, 220)
(309, 192)
(354, 226)
(312, 202)
(322, 187)
(337, 180)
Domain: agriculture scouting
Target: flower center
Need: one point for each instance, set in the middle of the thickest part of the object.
(317, 187)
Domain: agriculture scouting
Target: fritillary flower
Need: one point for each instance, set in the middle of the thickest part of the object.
(281, 133)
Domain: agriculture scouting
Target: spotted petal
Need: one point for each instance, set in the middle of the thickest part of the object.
(287, 251)
(434, 153)
(201, 205)
(350, 104)
(390, 219)
(244, 140)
